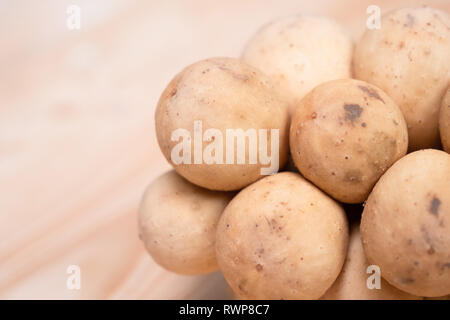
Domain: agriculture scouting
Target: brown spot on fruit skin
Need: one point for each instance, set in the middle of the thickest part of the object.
(241, 286)
(363, 124)
(434, 206)
(406, 280)
(428, 240)
(259, 267)
(241, 77)
(426, 235)
(353, 176)
(371, 92)
(238, 76)
(410, 21)
(353, 111)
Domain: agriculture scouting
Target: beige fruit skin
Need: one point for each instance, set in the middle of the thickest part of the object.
(281, 238)
(177, 223)
(223, 93)
(408, 58)
(352, 282)
(405, 224)
(444, 121)
(300, 52)
(344, 135)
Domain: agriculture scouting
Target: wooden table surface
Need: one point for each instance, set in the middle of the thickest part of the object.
(77, 141)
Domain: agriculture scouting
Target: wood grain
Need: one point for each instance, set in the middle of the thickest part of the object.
(77, 142)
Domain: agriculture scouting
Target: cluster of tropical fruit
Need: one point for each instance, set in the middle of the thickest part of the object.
(349, 126)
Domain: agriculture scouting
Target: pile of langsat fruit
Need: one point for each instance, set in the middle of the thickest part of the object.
(286, 235)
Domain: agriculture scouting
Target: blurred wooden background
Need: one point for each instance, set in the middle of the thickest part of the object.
(77, 142)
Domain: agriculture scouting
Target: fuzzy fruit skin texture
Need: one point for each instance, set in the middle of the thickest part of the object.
(300, 52)
(177, 223)
(352, 281)
(344, 135)
(405, 224)
(444, 121)
(408, 58)
(281, 238)
(223, 93)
